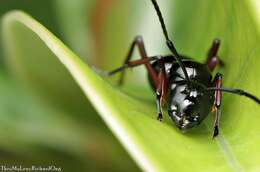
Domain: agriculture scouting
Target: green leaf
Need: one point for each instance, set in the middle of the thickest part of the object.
(60, 119)
(160, 146)
(32, 132)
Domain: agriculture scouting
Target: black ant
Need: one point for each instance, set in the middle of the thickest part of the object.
(186, 85)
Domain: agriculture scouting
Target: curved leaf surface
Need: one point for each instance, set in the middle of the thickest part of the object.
(160, 146)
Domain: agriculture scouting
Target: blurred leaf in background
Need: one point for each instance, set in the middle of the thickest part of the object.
(53, 105)
(41, 10)
(53, 119)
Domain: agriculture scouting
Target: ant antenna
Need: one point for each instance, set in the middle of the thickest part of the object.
(229, 90)
(169, 42)
(178, 59)
(238, 92)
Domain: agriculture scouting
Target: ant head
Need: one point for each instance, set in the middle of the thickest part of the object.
(188, 106)
(185, 118)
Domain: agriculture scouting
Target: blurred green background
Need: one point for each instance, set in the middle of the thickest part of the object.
(57, 125)
(54, 124)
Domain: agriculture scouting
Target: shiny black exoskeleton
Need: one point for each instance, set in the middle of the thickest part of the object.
(187, 106)
(186, 86)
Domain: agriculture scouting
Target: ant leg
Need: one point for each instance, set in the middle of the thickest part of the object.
(159, 106)
(161, 83)
(131, 64)
(213, 59)
(161, 89)
(217, 103)
(138, 41)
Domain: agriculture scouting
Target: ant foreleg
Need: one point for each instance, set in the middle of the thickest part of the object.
(131, 64)
(138, 41)
(217, 103)
(160, 83)
(213, 60)
(161, 89)
(159, 106)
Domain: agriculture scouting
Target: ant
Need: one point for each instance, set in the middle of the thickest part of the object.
(184, 84)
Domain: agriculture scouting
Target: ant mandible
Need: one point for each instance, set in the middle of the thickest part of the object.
(186, 85)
